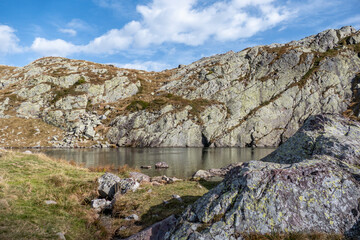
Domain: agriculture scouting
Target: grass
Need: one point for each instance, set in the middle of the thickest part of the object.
(148, 204)
(19, 132)
(26, 181)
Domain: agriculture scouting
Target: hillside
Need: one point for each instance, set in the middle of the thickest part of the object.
(257, 97)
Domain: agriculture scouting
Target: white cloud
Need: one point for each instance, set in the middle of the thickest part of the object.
(8, 40)
(147, 65)
(78, 24)
(57, 47)
(69, 31)
(165, 21)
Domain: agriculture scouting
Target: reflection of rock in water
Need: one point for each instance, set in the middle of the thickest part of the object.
(183, 162)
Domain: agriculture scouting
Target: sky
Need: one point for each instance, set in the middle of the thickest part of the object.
(154, 35)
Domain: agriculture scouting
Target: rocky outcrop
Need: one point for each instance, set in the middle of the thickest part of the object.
(303, 186)
(232, 99)
(257, 97)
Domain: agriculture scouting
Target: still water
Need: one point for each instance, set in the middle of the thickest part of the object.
(183, 162)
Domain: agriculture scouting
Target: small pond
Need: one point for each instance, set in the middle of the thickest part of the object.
(183, 162)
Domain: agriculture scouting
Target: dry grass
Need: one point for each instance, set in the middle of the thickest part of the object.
(123, 170)
(20, 132)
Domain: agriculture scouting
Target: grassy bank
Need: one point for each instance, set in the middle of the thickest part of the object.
(28, 180)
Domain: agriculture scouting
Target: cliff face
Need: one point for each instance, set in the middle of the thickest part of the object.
(257, 97)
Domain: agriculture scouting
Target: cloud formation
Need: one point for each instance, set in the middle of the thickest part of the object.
(69, 31)
(147, 65)
(56, 47)
(8, 40)
(181, 22)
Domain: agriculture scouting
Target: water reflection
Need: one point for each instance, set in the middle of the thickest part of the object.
(183, 162)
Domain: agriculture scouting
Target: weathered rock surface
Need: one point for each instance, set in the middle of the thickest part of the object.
(232, 99)
(101, 205)
(110, 184)
(214, 172)
(154, 232)
(257, 97)
(313, 189)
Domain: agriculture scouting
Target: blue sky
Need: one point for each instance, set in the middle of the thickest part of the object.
(158, 34)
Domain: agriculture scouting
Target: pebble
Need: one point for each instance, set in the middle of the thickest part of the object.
(50, 202)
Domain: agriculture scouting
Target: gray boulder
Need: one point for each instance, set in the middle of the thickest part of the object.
(101, 204)
(214, 172)
(161, 165)
(109, 184)
(139, 177)
(309, 184)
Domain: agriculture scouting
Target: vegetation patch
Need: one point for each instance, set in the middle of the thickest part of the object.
(27, 181)
(148, 203)
(63, 92)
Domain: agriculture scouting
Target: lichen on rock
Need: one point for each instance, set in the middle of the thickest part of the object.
(309, 184)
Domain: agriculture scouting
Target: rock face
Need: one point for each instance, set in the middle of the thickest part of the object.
(302, 186)
(257, 97)
(232, 99)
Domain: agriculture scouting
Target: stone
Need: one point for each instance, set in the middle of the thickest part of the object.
(158, 179)
(28, 152)
(214, 172)
(161, 165)
(177, 197)
(309, 184)
(61, 236)
(107, 185)
(156, 231)
(50, 202)
(202, 174)
(101, 205)
(132, 217)
(139, 177)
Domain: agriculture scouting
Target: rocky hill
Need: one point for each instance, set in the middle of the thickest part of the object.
(257, 97)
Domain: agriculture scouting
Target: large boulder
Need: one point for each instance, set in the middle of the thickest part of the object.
(109, 184)
(309, 184)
